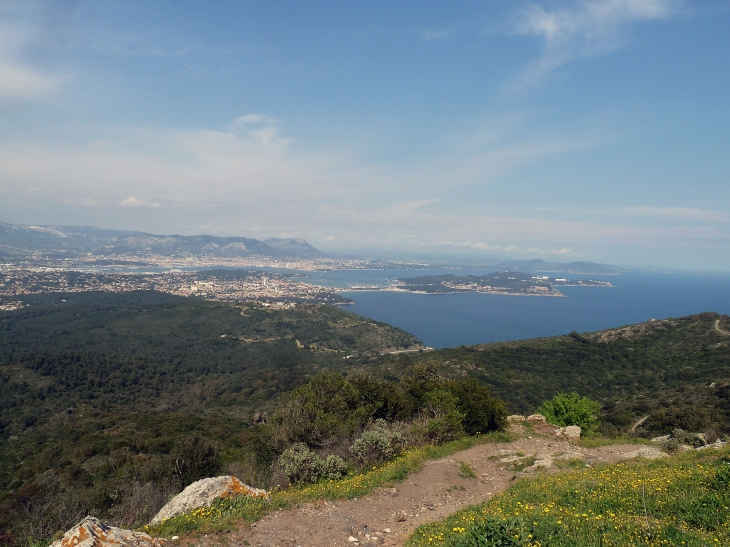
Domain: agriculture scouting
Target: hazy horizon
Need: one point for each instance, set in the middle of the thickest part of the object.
(572, 130)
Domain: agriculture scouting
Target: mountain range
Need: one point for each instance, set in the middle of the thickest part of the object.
(71, 240)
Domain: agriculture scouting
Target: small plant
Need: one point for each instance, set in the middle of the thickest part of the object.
(300, 465)
(571, 409)
(466, 471)
(376, 445)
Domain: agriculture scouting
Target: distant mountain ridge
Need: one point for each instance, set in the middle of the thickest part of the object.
(97, 241)
(539, 265)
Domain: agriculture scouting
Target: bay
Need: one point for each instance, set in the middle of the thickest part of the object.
(448, 320)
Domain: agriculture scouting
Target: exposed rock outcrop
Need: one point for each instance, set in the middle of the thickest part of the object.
(570, 432)
(91, 532)
(204, 492)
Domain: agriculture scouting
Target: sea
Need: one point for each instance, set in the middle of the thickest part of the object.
(448, 320)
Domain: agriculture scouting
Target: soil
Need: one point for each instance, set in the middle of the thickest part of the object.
(389, 515)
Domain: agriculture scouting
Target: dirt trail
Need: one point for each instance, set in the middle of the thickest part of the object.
(389, 515)
(718, 329)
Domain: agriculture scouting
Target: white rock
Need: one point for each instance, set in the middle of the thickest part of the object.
(572, 432)
(204, 492)
(536, 418)
(648, 452)
(91, 532)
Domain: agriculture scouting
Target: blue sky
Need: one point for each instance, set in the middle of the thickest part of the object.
(572, 130)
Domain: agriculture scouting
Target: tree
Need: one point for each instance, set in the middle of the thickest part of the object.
(571, 409)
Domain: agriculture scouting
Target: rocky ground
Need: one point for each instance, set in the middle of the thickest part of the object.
(389, 515)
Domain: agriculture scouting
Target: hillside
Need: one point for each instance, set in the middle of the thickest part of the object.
(655, 369)
(85, 374)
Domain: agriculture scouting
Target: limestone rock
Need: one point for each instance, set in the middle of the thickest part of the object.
(648, 452)
(515, 418)
(536, 419)
(202, 493)
(91, 532)
(571, 432)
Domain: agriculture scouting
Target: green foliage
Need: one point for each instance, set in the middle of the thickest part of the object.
(686, 417)
(301, 465)
(632, 371)
(482, 412)
(495, 533)
(571, 409)
(196, 457)
(442, 420)
(377, 444)
(466, 471)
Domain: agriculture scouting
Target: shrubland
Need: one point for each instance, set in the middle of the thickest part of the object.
(110, 404)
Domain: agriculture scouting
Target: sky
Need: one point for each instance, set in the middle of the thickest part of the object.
(563, 130)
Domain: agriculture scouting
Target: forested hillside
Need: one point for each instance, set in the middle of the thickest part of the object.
(675, 371)
(83, 375)
(115, 401)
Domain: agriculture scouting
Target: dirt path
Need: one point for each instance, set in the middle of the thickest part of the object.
(718, 329)
(389, 515)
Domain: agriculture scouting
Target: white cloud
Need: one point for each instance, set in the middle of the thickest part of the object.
(587, 28)
(23, 82)
(135, 202)
(19, 79)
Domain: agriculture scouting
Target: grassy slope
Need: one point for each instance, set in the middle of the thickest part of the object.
(683, 500)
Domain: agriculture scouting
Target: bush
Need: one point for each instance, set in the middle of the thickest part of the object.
(325, 407)
(300, 465)
(686, 417)
(482, 412)
(440, 416)
(332, 468)
(195, 458)
(571, 409)
(377, 444)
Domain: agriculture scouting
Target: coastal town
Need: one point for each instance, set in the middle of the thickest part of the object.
(222, 285)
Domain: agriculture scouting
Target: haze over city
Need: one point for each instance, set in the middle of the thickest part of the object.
(574, 130)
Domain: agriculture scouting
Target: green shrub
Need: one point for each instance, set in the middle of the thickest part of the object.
(195, 458)
(443, 421)
(495, 533)
(377, 444)
(571, 409)
(687, 417)
(332, 468)
(482, 412)
(301, 465)
(325, 407)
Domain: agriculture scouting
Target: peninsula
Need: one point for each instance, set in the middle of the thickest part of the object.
(508, 283)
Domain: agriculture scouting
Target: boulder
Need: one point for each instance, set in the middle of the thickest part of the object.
(571, 432)
(515, 419)
(536, 419)
(91, 532)
(203, 493)
(648, 452)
